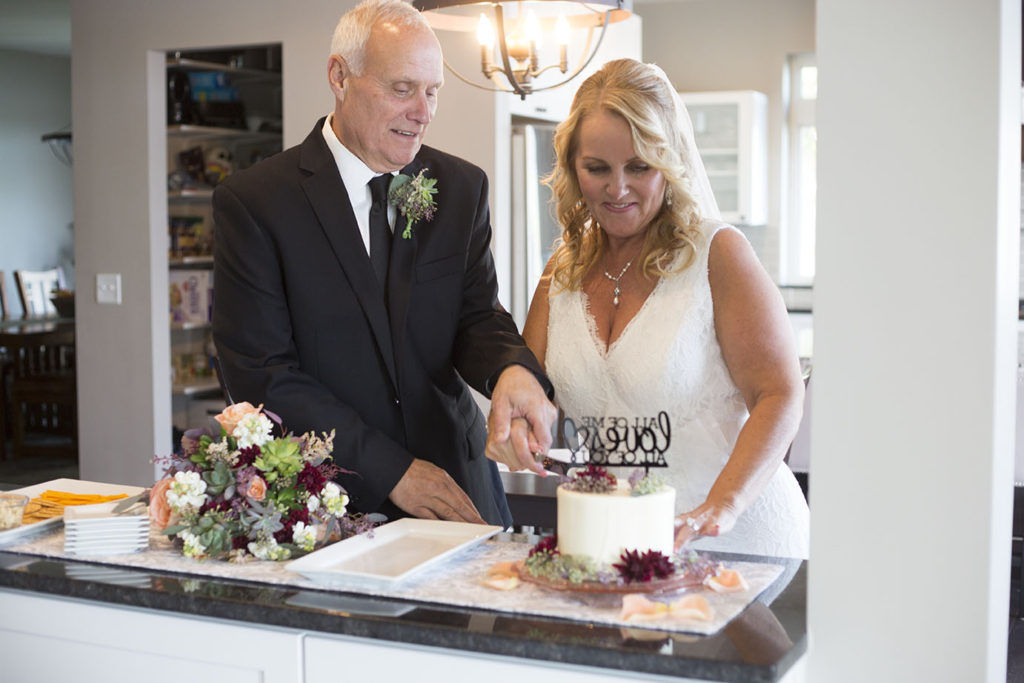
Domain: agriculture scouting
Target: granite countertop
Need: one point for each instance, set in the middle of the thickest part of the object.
(759, 645)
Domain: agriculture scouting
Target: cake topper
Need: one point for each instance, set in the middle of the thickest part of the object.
(618, 441)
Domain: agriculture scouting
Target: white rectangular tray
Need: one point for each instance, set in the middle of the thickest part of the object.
(394, 553)
(70, 486)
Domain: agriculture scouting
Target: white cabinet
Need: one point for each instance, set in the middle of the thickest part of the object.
(731, 132)
(63, 639)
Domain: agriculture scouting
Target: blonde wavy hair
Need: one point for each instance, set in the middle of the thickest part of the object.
(642, 96)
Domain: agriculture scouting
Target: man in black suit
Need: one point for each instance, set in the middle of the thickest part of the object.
(304, 325)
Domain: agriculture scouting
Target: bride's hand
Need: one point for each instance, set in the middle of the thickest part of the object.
(706, 520)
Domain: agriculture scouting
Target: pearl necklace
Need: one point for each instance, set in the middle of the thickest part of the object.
(618, 290)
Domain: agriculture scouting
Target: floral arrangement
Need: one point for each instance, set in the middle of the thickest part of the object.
(545, 561)
(236, 492)
(414, 198)
(592, 479)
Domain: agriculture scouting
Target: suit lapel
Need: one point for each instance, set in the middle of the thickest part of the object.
(402, 268)
(329, 199)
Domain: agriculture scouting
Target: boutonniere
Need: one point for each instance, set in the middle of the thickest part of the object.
(414, 198)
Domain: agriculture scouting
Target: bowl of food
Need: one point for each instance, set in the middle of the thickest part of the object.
(12, 508)
(64, 301)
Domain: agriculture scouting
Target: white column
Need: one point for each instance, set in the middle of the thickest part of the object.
(915, 339)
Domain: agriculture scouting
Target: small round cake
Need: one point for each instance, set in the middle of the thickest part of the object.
(603, 525)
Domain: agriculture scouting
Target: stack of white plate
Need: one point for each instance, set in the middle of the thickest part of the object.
(97, 530)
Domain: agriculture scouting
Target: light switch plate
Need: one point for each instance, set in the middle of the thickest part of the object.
(108, 288)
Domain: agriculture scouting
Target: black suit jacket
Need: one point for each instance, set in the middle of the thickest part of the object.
(300, 322)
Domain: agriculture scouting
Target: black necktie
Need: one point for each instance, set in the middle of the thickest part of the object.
(380, 231)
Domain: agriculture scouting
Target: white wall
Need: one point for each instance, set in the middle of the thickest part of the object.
(915, 336)
(735, 45)
(35, 188)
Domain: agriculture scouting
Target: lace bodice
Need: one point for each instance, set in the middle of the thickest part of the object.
(668, 359)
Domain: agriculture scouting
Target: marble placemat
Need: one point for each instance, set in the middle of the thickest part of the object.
(454, 581)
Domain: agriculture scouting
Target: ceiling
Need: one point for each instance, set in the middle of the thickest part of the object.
(41, 26)
(44, 26)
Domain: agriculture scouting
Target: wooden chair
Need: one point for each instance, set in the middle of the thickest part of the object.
(43, 392)
(35, 288)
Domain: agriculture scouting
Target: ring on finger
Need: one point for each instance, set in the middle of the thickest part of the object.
(692, 523)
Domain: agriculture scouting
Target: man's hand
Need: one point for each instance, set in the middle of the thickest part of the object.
(428, 492)
(518, 394)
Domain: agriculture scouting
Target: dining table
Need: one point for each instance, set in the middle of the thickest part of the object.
(37, 364)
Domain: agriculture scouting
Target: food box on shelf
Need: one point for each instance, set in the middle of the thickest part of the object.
(191, 295)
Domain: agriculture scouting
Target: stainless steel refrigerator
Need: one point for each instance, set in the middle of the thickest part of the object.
(534, 228)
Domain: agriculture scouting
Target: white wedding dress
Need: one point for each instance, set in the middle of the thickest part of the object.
(668, 359)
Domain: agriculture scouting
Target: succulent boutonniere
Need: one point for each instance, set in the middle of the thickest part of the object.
(414, 198)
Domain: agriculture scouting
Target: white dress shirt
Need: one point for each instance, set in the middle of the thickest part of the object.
(356, 175)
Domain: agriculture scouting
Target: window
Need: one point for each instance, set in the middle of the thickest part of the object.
(802, 151)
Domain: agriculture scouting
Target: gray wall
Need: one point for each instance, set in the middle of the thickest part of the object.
(734, 45)
(35, 188)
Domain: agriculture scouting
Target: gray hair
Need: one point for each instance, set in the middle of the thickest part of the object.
(353, 29)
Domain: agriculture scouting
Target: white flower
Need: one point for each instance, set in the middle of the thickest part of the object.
(333, 499)
(268, 549)
(253, 430)
(193, 547)
(303, 536)
(219, 452)
(313, 503)
(187, 491)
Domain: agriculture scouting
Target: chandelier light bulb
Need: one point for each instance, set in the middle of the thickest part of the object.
(485, 32)
(562, 30)
(532, 28)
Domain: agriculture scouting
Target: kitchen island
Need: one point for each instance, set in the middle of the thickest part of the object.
(66, 618)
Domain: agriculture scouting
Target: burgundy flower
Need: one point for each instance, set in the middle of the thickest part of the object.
(247, 456)
(239, 542)
(215, 504)
(548, 544)
(642, 568)
(593, 479)
(311, 478)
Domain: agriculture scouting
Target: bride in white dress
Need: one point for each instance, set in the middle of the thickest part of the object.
(651, 304)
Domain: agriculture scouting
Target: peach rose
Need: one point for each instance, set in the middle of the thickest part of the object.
(257, 489)
(159, 511)
(235, 413)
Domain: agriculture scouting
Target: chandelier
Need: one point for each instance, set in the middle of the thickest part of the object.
(513, 37)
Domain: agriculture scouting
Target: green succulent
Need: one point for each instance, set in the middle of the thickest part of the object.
(280, 458)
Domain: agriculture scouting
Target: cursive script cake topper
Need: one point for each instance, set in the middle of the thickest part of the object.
(618, 441)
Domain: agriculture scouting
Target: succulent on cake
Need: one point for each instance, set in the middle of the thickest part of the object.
(634, 567)
(643, 484)
(544, 561)
(592, 479)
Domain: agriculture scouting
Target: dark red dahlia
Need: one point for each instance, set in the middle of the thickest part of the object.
(311, 478)
(247, 456)
(634, 567)
(215, 504)
(239, 542)
(548, 544)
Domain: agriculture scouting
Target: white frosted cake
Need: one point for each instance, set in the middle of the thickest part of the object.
(602, 525)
